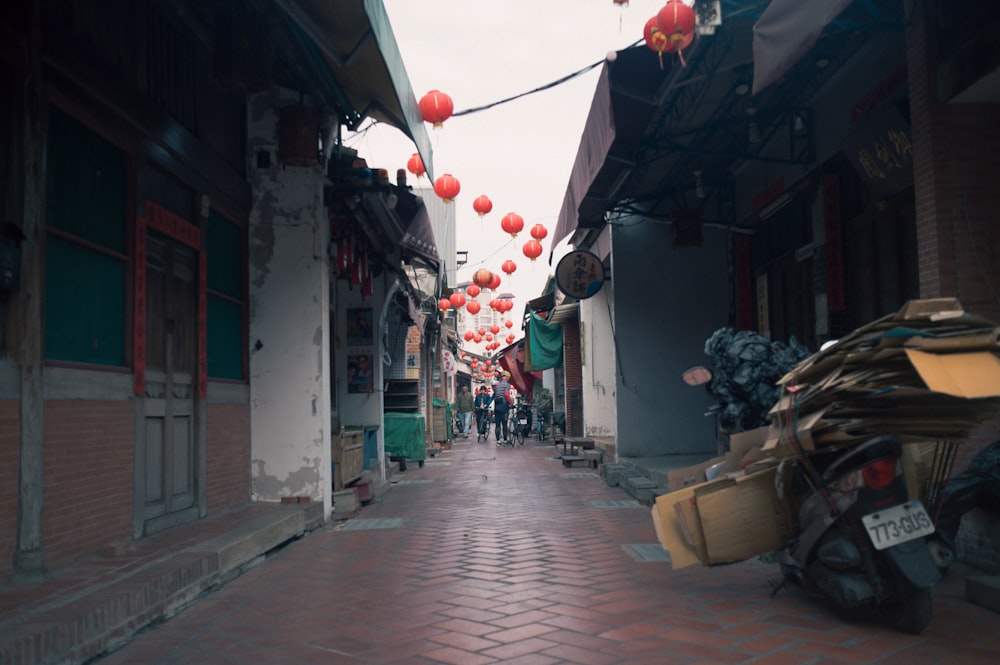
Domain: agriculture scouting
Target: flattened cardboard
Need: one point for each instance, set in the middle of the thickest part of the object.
(669, 531)
(690, 475)
(743, 517)
(742, 443)
(930, 307)
(968, 375)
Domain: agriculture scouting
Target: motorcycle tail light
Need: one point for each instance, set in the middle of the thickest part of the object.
(879, 474)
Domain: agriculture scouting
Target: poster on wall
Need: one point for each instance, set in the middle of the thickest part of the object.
(359, 372)
(359, 326)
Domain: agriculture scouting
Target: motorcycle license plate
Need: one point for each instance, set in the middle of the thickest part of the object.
(523, 421)
(898, 524)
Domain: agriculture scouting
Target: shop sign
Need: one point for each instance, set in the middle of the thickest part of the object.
(580, 274)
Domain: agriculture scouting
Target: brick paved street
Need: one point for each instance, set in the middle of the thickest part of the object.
(490, 555)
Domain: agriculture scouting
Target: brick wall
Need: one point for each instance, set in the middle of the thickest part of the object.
(956, 150)
(227, 460)
(88, 477)
(573, 378)
(10, 442)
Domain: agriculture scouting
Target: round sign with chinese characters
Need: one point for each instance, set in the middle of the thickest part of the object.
(580, 274)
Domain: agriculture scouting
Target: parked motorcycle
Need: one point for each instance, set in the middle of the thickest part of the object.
(862, 543)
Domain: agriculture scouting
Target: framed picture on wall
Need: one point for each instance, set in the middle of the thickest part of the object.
(359, 373)
(359, 326)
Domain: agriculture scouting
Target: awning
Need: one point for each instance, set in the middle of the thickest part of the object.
(623, 105)
(358, 44)
(512, 360)
(418, 239)
(785, 32)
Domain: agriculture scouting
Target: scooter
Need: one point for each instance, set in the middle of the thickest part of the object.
(862, 543)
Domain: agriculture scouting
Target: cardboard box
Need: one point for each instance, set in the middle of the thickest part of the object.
(723, 521)
(743, 443)
(690, 475)
(743, 517)
(966, 375)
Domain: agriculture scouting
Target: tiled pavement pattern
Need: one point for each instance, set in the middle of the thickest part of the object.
(504, 557)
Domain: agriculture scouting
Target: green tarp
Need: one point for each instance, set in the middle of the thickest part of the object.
(404, 435)
(545, 344)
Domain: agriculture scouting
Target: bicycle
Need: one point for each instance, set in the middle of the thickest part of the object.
(520, 423)
(482, 425)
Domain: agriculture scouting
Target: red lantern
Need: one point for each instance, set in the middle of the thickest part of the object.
(416, 165)
(538, 232)
(508, 267)
(457, 299)
(444, 304)
(495, 282)
(483, 278)
(482, 205)
(494, 329)
(489, 363)
(472, 307)
(472, 290)
(436, 107)
(468, 338)
(447, 187)
(532, 249)
(489, 337)
(494, 304)
(676, 21)
(477, 338)
(512, 223)
(482, 331)
(655, 39)
(508, 323)
(508, 305)
(510, 338)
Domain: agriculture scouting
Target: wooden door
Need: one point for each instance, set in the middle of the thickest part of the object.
(168, 487)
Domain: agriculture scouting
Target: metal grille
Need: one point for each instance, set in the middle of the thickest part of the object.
(395, 347)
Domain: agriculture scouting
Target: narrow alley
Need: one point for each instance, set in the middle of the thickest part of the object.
(500, 555)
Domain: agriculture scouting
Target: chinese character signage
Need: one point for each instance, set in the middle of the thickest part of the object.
(580, 274)
(880, 151)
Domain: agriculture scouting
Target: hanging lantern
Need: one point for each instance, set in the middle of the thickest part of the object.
(538, 232)
(508, 267)
(655, 39)
(457, 299)
(482, 205)
(495, 282)
(512, 223)
(483, 278)
(472, 307)
(489, 363)
(444, 304)
(468, 338)
(436, 107)
(676, 21)
(482, 331)
(447, 187)
(508, 305)
(472, 290)
(532, 249)
(415, 165)
(510, 338)
(477, 338)
(508, 323)
(495, 305)
(489, 337)
(494, 329)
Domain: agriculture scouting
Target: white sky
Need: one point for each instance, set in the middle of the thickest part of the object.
(519, 153)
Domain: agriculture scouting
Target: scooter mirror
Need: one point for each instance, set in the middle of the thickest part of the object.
(697, 376)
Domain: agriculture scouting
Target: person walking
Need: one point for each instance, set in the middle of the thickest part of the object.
(482, 404)
(465, 404)
(501, 408)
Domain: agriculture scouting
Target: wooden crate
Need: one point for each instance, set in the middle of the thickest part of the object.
(348, 455)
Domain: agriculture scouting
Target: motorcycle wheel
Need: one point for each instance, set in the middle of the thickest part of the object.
(912, 609)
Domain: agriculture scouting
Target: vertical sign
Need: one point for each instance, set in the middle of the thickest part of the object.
(835, 279)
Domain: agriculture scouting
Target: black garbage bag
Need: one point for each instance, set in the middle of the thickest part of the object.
(745, 370)
(976, 487)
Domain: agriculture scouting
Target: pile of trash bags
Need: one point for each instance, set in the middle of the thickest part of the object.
(745, 370)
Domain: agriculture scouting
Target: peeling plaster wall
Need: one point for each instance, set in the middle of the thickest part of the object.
(289, 323)
(600, 414)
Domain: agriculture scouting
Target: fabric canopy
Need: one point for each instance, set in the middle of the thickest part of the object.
(512, 360)
(785, 32)
(544, 344)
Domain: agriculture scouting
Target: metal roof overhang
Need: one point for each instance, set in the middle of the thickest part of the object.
(359, 47)
(667, 125)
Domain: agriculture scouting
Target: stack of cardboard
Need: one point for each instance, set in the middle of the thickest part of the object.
(930, 372)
